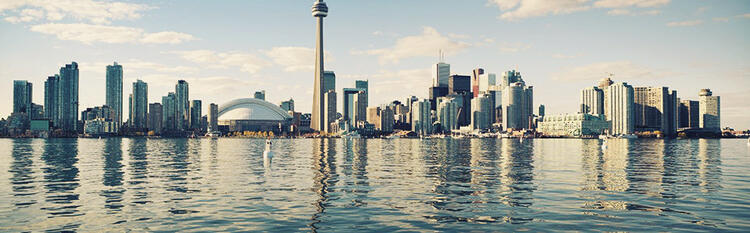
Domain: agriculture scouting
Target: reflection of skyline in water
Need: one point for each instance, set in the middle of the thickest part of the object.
(373, 185)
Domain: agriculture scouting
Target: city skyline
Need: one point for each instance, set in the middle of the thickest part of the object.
(662, 55)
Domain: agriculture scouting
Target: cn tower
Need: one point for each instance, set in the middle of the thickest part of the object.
(319, 11)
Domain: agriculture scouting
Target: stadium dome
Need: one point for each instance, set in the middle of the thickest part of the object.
(251, 109)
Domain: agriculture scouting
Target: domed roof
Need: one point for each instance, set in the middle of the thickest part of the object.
(251, 109)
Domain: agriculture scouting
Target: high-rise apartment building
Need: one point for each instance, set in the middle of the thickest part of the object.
(329, 99)
(709, 115)
(620, 103)
(655, 109)
(364, 85)
(447, 114)
(421, 117)
(689, 111)
(475, 76)
(196, 113)
(169, 112)
(113, 90)
(51, 100)
(182, 105)
(139, 106)
(481, 113)
(22, 96)
(67, 98)
(592, 101)
(213, 118)
(155, 117)
(287, 105)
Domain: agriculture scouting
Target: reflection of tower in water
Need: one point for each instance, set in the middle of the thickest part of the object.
(646, 167)
(22, 179)
(709, 173)
(112, 178)
(325, 177)
(517, 173)
(61, 177)
(138, 169)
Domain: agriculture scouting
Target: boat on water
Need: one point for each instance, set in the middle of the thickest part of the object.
(267, 153)
(627, 136)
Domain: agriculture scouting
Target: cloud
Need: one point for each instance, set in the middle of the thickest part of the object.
(513, 47)
(97, 12)
(520, 9)
(295, 58)
(624, 70)
(632, 13)
(88, 33)
(688, 23)
(630, 3)
(426, 44)
(246, 62)
(746, 15)
(387, 84)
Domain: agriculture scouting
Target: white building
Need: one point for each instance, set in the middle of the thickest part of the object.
(572, 125)
(447, 112)
(481, 112)
(620, 103)
(421, 117)
(709, 113)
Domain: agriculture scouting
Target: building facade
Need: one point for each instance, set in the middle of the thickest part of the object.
(213, 118)
(709, 115)
(592, 101)
(620, 103)
(182, 105)
(421, 117)
(481, 112)
(689, 114)
(67, 98)
(447, 114)
(139, 106)
(155, 117)
(329, 99)
(572, 125)
(113, 96)
(169, 112)
(440, 74)
(51, 90)
(196, 114)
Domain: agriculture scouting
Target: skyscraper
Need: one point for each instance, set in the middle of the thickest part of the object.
(22, 96)
(620, 103)
(604, 86)
(213, 118)
(655, 109)
(447, 113)
(459, 84)
(319, 11)
(440, 73)
(196, 109)
(481, 107)
(475, 75)
(709, 115)
(139, 106)
(155, 117)
(517, 101)
(689, 111)
(329, 99)
(437, 92)
(421, 117)
(363, 84)
(169, 112)
(351, 105)
(114, 92)
(486, 81)
(182, 105)
(51, 90)
(67, 98)
(329, 81)
(510, 77)
(592, 101)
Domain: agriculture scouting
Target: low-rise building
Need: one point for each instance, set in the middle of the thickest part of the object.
(572, 125)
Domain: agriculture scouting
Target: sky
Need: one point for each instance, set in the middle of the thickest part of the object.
(230, 49)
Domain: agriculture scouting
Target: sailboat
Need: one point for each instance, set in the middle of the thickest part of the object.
(267, 154)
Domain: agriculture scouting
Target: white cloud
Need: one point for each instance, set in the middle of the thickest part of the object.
(295, 58)
(26, 15)
(246, 62)
(632, 13)
(630, 3)
(623, 70)
(88, 33)
(426, 44)
(685, 23)
(521, 9)
(746, 15)
(513, 47)
(98, 12)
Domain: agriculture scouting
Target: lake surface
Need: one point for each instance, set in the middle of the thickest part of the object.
(339, 185)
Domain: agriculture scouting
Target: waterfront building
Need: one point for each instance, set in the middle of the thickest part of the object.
(387, 120)
(99, 120)
(481, 107)
(655, 109)
(196, 113)
(510, 77)
(709, 114)
(329, 99)
(518, 102)
(542, 110)
(319, 11)
(169, 112)
(251, 114)
(437, 92)
(352, 105)
(287, 105)
(51, 90)
(22, 96)
(37, 111)
(486, 81)
(138, 118)
(689, 111)
(213, 118)
(620, 103)
(604, 86)
(114, 91)
(447, 114)
(261, 95)
(155, 117)
(421, 117)
(440, 74)
(572, 125)
(67, 98)
(409, 103)
(182, 105)
(592, 101)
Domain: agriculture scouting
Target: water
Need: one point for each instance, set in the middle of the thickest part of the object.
(329, 185)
